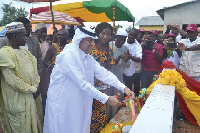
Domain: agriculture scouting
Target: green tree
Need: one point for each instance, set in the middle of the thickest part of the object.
(117, 27)
(11, 13)
(128, 28)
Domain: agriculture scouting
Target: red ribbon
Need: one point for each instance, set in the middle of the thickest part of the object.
(192, 85)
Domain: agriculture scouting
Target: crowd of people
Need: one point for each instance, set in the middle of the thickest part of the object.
(64, 83)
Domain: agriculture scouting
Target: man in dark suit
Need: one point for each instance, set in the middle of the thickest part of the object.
(3, 42)
(31, 45)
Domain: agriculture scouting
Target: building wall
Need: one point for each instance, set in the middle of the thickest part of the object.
(183, 14)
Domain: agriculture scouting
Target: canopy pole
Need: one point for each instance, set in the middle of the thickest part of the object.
(114, 32)
(52, 15)
(133, 24)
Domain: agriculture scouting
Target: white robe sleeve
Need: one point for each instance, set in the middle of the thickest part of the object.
(107, 77)
(73, 72)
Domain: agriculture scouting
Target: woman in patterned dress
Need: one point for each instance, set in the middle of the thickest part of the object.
(103, 54)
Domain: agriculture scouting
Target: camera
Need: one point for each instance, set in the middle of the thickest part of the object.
(172, 45)
(149, 45)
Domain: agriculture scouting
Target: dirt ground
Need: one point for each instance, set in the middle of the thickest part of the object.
(183, 126)
(179, 126)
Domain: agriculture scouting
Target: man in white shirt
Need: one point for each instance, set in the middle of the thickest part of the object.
(192, 38)
(121, 62)
(135, 51)
(190, 62)
(71, 90)
(179, 33)
(120, 53)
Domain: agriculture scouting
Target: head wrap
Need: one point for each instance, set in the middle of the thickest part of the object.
(39, 26)
(15, 27)
(121, 32)
(80, 33)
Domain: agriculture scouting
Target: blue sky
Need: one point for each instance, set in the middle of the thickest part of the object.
(139, 8)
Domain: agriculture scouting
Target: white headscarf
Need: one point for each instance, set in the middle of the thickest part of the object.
(74, 46)
(79, 35)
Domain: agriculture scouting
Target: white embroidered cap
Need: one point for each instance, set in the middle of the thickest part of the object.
(39, 26)
(121, 32)
(15, 27)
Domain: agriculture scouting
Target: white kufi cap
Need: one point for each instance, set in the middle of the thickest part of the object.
(39, 26)
(15, 27)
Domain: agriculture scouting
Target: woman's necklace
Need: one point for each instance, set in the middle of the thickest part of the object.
(101, 48)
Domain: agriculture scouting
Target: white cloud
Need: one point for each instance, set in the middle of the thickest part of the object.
(141, 8)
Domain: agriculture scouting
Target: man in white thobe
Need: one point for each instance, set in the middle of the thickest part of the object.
(71, 90)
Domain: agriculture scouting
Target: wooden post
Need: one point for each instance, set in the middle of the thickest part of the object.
(52, 15)
(114, 32)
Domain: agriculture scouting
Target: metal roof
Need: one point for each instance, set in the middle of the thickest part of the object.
(150, 20)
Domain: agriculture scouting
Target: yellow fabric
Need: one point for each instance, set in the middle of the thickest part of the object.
(173, 78)
(1, 28)
(109, 126)
(76, 9)
(19, 80)
(132, 109)
(68, 6)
